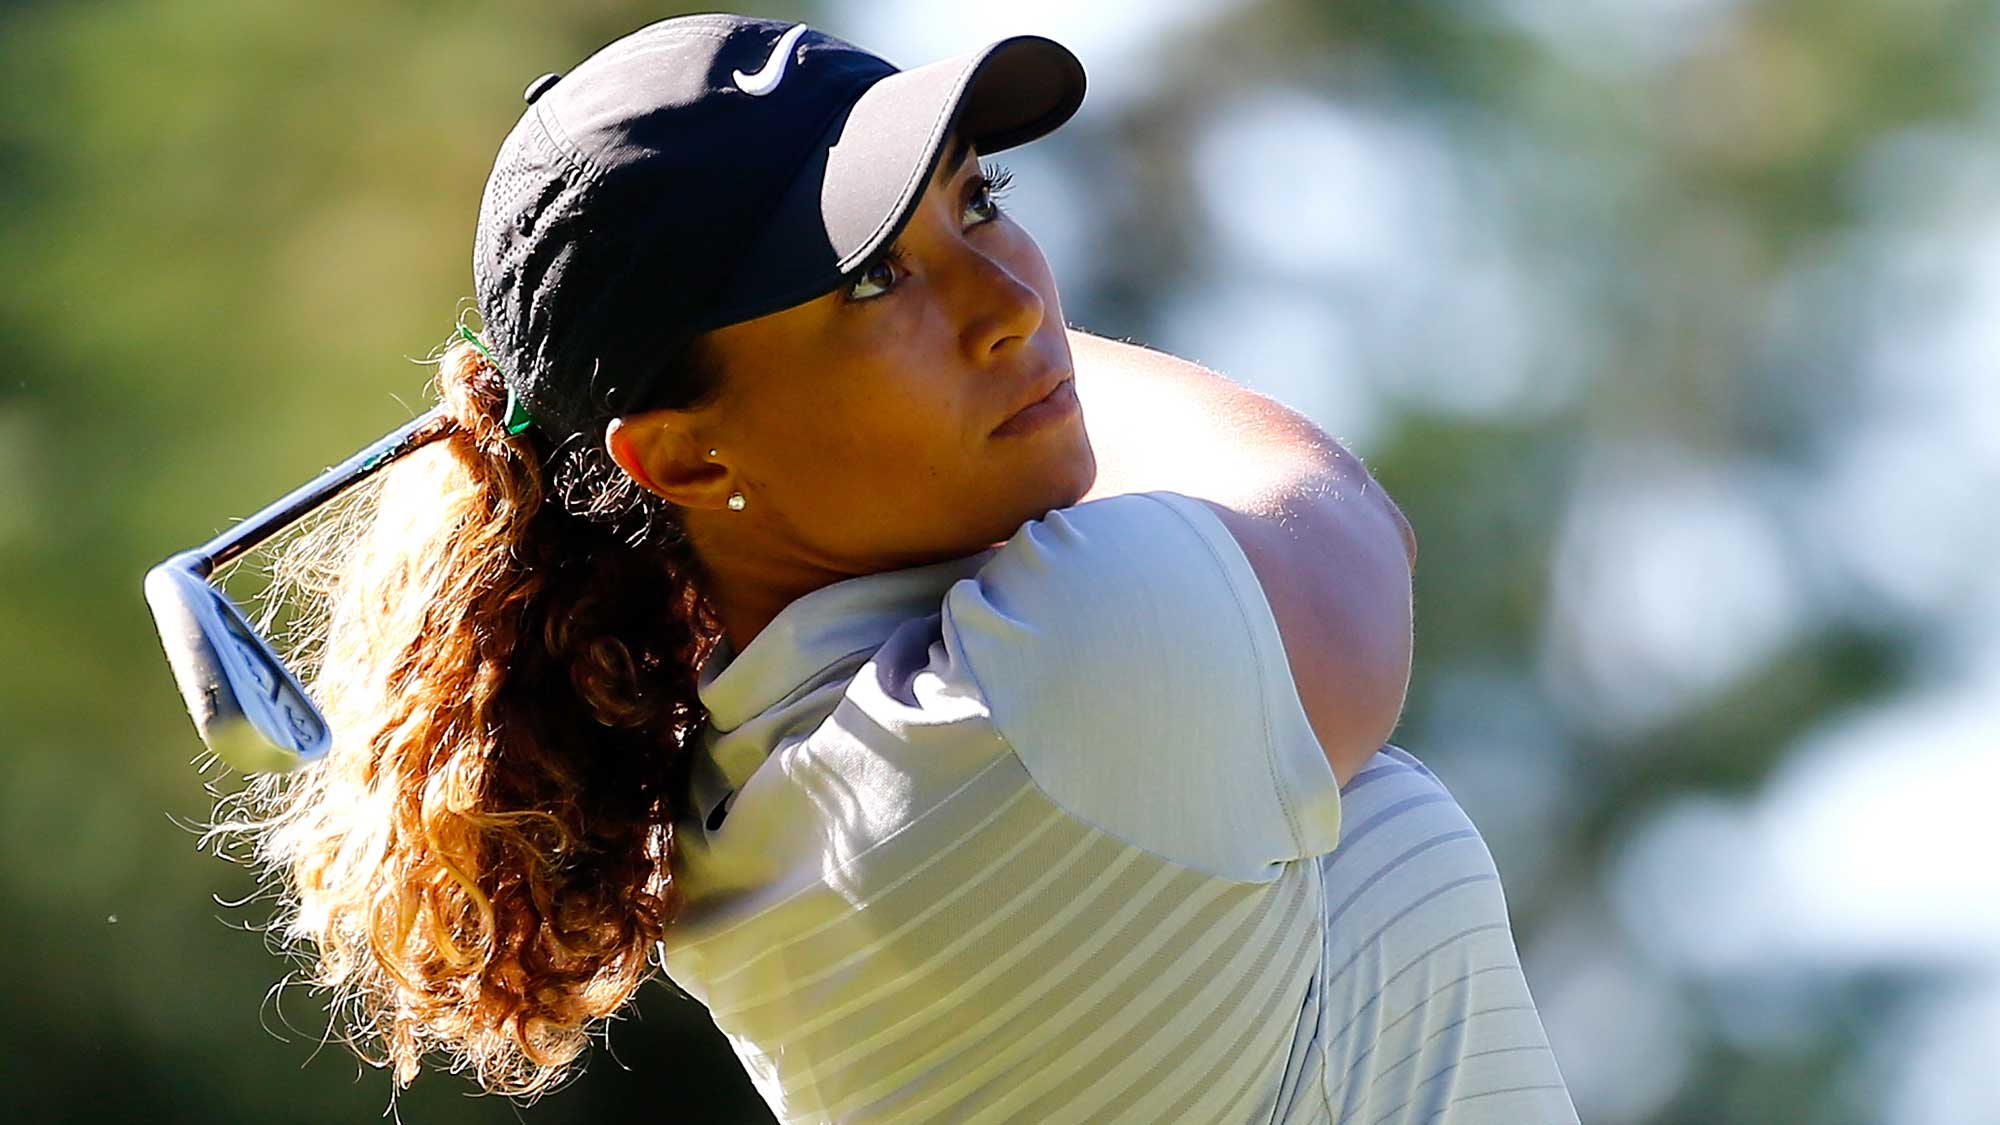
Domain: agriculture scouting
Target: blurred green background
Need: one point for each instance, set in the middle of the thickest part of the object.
(1672, 324)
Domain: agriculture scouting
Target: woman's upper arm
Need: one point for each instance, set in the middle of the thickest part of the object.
(1330, 549)
(1335, 570)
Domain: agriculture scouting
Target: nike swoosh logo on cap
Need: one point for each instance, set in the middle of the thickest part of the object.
(773, 72)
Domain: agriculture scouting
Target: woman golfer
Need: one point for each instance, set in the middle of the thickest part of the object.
(776, 607)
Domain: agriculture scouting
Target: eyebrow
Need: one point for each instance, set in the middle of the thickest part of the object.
(952, 159)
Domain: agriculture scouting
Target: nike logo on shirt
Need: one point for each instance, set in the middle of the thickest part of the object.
(773, 72)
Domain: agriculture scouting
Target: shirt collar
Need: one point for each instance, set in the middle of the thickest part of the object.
(821, 631)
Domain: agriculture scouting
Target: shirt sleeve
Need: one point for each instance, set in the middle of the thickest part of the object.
(1129, 657)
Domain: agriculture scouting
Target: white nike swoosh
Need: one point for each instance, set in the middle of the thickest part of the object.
(767, 79)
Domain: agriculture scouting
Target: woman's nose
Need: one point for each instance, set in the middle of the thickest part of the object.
(1000, 304)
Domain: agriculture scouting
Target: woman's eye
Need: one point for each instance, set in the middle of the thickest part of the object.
(881, 276)
(983, 205)
(991, 183)
(878, 276)
(876, 280)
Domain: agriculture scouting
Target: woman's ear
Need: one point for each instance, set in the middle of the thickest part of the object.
(667, 460)
(621, 442)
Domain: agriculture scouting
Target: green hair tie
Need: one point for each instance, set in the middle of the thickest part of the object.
(517, 418)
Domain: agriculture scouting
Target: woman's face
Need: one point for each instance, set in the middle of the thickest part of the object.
(861, 425)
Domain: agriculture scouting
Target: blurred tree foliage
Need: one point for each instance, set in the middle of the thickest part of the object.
(229, 227)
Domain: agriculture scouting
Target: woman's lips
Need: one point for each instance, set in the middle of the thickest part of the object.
(1046, 411)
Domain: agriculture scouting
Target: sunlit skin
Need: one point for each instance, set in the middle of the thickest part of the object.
(858, 425)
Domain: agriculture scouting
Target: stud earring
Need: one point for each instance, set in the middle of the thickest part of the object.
(736, 500)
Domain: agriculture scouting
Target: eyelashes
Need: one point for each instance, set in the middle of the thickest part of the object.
(994, 180)
(894, 256)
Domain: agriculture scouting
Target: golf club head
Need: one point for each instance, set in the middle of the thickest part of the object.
(247, 705)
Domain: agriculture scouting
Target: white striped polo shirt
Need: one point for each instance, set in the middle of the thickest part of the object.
(1043, 835)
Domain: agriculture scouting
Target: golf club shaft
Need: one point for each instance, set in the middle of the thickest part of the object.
(275, 517)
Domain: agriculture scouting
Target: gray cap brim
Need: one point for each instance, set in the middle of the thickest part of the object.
(864, 180)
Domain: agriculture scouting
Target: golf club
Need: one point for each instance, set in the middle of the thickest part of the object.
(248, 707)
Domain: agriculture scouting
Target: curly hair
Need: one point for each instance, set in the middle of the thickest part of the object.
(506, 640)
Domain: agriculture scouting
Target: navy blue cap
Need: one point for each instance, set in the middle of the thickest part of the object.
(709, 169)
